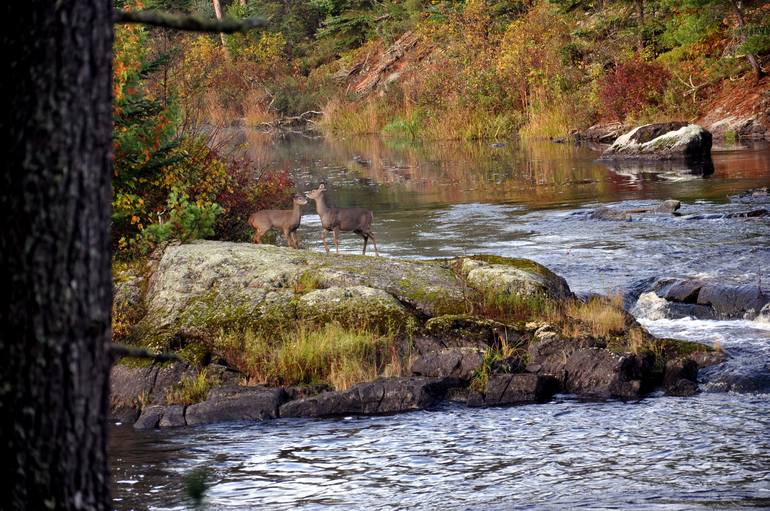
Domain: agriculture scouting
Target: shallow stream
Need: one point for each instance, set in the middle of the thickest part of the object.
(711, 451)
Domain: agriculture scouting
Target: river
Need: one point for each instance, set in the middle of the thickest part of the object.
(711, 451)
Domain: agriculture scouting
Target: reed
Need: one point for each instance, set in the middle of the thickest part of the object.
(305, 354)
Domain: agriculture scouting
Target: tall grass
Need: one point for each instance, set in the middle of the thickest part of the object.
(343, 118)
(191, 389)
(599, 315)
(511, 307)
(305, 354)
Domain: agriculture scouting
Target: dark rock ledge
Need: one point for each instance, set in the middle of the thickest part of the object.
(196, 289)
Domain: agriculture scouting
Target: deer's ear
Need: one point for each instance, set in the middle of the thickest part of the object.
(322, 186)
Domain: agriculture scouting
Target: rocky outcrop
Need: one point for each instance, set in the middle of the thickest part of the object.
(223, 404)
(739, 111)
(514, 389)
(236, 403)
(392, 395)
(665, 141)
(197, 290)
(461, 331)
(587, 368)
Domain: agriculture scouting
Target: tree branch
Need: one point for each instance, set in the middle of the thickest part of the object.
(121, 350)
(187, 23)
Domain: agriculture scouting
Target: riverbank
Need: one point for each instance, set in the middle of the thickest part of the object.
(265, 331)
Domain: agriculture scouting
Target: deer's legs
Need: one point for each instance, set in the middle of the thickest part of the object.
(294, 239)
(323, 238)
(289, 240)
(257, 236)
(336, 233)
(366, 238)
(374, 242)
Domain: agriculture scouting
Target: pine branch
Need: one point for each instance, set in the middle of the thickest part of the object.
(187, 23)
(121, 350)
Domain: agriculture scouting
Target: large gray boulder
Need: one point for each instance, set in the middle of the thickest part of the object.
(200, 288)
(514, 276)
(390, 395)
(701, 298)
(665, 141)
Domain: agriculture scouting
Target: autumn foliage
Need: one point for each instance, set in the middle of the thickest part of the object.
(632, 86)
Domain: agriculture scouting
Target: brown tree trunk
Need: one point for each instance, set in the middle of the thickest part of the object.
(640, 15)
(218, 14)
(753, 61)
(55, 254)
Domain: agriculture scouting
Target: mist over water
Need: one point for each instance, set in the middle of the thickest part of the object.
(448, 199)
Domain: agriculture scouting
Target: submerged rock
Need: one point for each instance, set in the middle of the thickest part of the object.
(755, 195)
(665, 141)
(391, 395)
(606, 213)
(612, 214)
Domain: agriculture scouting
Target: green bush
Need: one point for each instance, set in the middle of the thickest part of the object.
(186, 221)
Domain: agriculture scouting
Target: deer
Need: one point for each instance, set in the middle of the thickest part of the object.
(357, 220)
(284, 220)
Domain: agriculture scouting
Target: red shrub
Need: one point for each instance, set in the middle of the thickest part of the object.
(631, 87)
(250, 191)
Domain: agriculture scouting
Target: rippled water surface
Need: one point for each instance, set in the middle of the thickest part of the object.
(710, 451)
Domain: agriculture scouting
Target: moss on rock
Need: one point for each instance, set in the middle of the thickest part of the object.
(355, 307)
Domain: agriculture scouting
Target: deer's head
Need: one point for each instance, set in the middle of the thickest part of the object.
(299, 199)
(317, 193)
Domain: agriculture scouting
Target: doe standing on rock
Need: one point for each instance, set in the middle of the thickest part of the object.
(285, 220)
(358, 220)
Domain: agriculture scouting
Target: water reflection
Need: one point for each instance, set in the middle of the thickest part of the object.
(391, 177)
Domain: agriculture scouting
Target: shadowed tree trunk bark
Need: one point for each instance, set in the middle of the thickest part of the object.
(55, 254)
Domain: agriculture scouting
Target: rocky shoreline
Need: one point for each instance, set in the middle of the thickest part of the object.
(451, 339)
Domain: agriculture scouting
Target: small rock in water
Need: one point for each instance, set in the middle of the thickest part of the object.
(605, 213)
